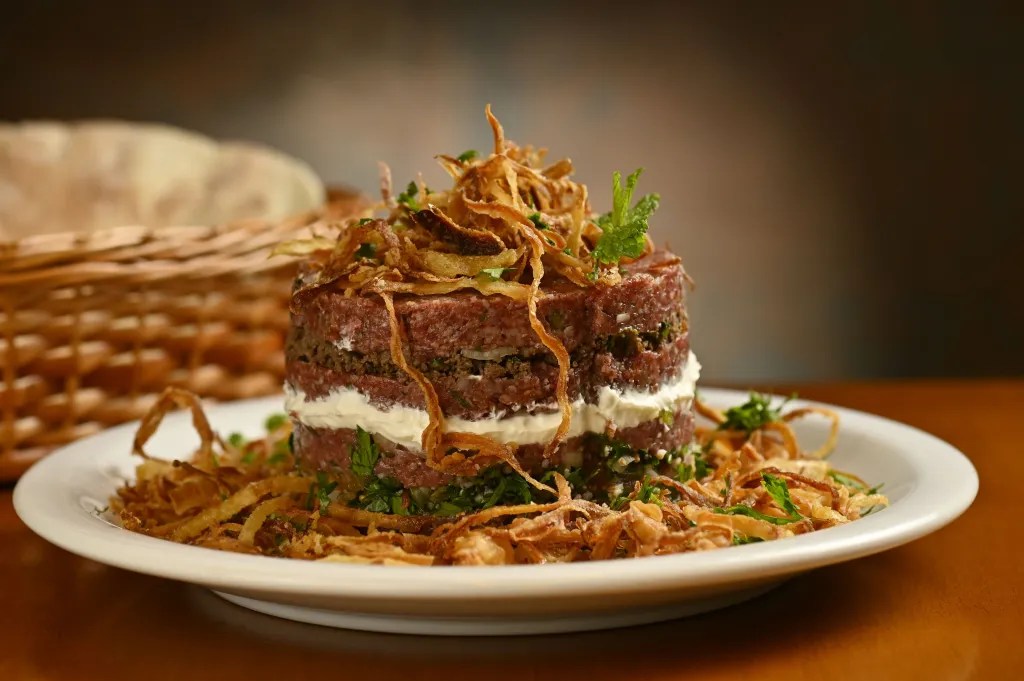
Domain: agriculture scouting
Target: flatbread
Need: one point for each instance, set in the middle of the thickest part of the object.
(59, 177)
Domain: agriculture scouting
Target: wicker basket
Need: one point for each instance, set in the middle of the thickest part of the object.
(96, 320)
(94, 326)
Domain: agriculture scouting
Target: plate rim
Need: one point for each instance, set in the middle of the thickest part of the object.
(224, 570)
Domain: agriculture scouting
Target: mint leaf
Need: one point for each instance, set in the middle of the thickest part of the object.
(364, 454)
(623, 229)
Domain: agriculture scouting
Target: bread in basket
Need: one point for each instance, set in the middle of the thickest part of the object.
(134, 256)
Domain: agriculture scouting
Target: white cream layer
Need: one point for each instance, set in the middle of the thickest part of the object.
(348, 408)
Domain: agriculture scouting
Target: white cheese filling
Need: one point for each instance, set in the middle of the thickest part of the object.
(348, 408)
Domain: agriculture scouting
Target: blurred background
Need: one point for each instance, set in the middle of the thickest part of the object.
(837, 180)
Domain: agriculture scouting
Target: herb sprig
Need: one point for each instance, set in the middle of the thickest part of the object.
(779, 492)
(364, 454)
(623, 229)
(755, 413)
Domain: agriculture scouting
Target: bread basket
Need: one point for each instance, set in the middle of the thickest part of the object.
(96, 320)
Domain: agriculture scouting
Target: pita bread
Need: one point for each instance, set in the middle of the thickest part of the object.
(58, 177)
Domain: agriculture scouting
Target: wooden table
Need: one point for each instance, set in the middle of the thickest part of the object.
(950, 606)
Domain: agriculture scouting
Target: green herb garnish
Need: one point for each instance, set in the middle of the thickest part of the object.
(740, 539)
(320, 492)
(410, 197)
(493, 273)
(275, 421)
(741, 509)
(467, 155)
(364, 221)
(236, 440)
(364, 454)
(667, 416)
(649, 493)
(846, 480)
(556, 320)
(379, 495)
(623, 229)
(779, 492)
(753, 414)
(700, 468)
(457, 396)
(367, 251)
(538, 222)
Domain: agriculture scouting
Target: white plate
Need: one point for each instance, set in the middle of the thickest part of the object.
(929, 483)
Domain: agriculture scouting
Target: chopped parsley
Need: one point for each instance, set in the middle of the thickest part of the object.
(275, 421)
(236, 440)
(740, 539)
(538, 222)
(779, 492)
(467, 156)
(567, 250)
(320, 493)
(755, 413)
(649, 493)
(848, 481)
(364, 221)
(366, 251)
(249, 456)
(458, 397)
(410, 197)
(556, 320)
(741, 509)
(381, 495)
(667, 416)
(493, 487)
(364, 454)
(700, 468)
(623, 229)
(492, 273)
(281, 451)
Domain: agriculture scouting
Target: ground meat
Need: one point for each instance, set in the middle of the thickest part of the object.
(304, 346)
(330, 450)
(652, 290)
(474, 396)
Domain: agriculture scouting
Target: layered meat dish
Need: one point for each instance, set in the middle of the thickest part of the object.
(493, 373)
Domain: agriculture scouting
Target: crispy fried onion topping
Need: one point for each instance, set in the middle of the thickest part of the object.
(248, 496)
(506, 221)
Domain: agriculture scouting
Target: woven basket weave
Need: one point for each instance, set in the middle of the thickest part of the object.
(93, 326)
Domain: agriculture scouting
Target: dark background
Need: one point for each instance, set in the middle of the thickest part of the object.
(839, 180)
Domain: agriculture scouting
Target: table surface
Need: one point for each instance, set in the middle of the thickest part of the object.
(949, 606)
